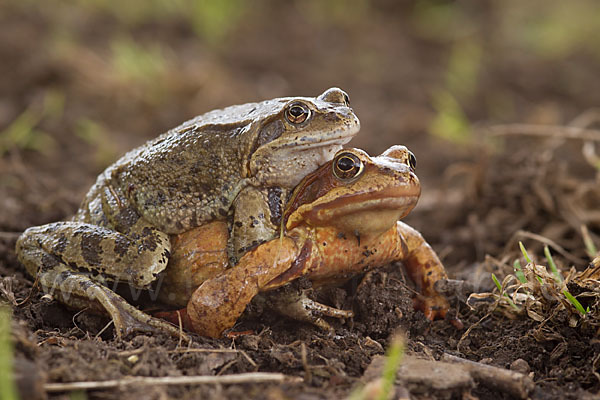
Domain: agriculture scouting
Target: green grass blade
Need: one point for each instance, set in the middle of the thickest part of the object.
(392, 362)
(499, 286)
(590, 247)
(78, 395)
(575, 303)
(524, 251)
(552, 265)
(8, 390)
(393, 358)
(519, 272)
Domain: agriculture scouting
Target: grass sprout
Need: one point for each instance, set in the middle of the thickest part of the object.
(524, 251)
(381, 388)
(393, 358)
(576, 303)
(8, 390)
(552, 265)
(590, 247)
(503, 293)
(542, 293)
(519, 272)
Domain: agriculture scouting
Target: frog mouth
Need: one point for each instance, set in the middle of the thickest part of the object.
(335, 137)
(390, 204)
(367, 202)
(323, 143)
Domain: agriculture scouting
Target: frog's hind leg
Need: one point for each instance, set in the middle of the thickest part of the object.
(81, 292)
(70, 260)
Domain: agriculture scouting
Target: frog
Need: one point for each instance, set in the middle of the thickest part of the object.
(236, 164)
(340, 221)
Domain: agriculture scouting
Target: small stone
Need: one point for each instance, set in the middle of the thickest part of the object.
(520, 365)
(250, 342)
(373, 343)
(133, 359)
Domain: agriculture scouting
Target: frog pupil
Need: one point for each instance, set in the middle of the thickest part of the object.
(296, 111)
(345, 164)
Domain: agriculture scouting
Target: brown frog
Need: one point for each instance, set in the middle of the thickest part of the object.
(234, 164)
(341, 220)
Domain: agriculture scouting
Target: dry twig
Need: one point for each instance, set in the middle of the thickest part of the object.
(553, 131)
(512, 382)
(254, 377)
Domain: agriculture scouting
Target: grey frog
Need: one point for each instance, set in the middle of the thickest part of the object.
(225, 164)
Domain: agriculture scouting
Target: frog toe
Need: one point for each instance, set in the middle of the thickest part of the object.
(434, 307)
(128, 320)
(302, 308)
(151, 326)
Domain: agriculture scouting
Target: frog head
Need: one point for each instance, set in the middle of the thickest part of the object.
(356, 193)
(296, 135)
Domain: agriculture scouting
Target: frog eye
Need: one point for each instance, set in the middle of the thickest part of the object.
(346, 100)
(412, 160)
(347, 166)
(297, 113)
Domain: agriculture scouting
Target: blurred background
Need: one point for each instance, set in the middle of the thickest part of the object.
(81, 82)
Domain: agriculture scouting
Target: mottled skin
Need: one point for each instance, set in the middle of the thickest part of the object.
(341, 220)
(204, 170)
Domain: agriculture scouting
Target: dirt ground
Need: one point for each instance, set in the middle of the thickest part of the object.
(494, 99)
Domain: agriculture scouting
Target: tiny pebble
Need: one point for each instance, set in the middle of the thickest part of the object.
(520, 365)
(373, 343)
(133, 359)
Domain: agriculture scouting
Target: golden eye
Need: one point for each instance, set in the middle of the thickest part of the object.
(347, 166)
(412, 160)
(346, 100)
(297, 113)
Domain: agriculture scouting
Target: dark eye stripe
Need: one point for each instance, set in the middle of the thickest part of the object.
(412, 160)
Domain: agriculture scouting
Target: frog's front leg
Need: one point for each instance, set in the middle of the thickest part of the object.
(72, 259)
(218, 302)
(256, 219)
(425, 269)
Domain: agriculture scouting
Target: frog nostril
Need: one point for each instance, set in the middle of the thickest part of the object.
(332, 117)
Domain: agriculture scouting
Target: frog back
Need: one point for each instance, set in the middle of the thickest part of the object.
(179, 180)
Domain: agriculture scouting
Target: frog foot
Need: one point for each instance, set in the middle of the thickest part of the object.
(300, 307)
(128, 319)
(81, 292)
(434, 307)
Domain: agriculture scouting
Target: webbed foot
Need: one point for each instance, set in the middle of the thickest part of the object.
(81, 292)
